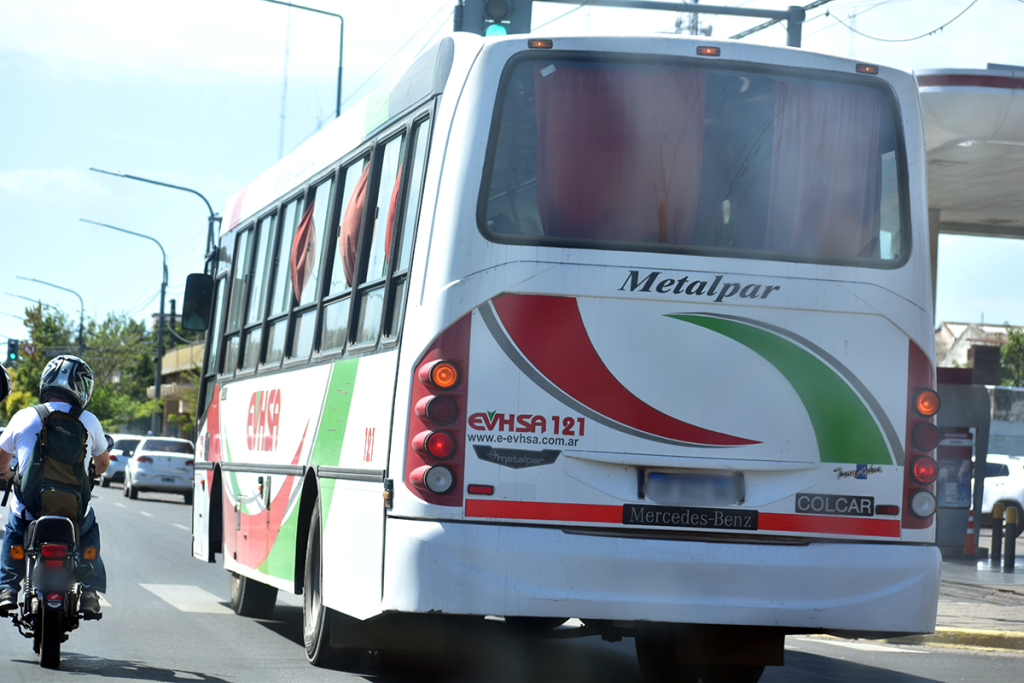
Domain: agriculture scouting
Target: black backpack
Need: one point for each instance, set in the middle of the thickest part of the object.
(54, 481)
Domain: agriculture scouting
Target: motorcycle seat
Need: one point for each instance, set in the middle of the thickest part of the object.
(52, 530)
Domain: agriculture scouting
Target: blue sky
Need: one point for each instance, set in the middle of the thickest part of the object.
(193, 92)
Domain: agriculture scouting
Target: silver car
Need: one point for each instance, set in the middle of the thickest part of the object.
(160, 463)
(120, 453)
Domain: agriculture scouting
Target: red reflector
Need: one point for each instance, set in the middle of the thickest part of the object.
(143, 458)
(113, 458)
(481, 489)
(709, 51)
(887, 509)
(440, 444)
(867, 69)
(925, 470)
(190, 463)
(53, 551)
(925, 436)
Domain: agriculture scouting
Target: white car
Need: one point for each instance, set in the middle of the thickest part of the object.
(120, 452)
(160, 463)
(1004, 483)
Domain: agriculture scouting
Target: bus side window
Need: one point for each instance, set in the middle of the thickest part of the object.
(400, 275)
(339, 273)
(377, 245)
(304, 267)
(236, 302)
(281, 297)
(258, 292)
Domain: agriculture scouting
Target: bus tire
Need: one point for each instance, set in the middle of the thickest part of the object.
(656, 654)
(732, 673)
(316, 619)
(251, 598)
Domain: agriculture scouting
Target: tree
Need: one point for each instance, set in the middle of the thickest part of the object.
(1012, 358)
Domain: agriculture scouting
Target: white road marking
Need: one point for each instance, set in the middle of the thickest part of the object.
(182, 526)
(187, 598)
(858, 645)
(146, 514)
(120, 505)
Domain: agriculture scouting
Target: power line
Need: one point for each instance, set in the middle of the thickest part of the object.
(904, 40)
(399, 50)
(560, 16)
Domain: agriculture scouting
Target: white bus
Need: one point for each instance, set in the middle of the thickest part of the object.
(632, 331)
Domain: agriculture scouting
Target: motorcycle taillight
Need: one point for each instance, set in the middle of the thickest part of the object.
(54, 551)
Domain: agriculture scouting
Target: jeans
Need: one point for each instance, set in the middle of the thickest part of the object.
(13, 571)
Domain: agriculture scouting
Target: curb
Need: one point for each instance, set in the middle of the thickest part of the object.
(961, 637)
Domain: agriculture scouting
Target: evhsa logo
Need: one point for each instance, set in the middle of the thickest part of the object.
(261, 428)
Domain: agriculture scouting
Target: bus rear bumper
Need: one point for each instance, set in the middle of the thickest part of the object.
(458, 568)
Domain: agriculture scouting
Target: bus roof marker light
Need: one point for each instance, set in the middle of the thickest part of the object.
(540, 43)
(926, 402)
(707, 51)
(867, 69)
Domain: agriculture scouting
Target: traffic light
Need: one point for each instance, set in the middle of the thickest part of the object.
(12, 351)
(495, 17)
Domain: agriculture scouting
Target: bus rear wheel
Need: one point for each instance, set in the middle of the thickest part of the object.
(656, 654)
(316, 619)
(251, 598)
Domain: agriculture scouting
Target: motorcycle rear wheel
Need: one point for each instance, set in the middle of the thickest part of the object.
(52, 632)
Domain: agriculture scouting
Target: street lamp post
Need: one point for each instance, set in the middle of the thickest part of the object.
(35, 301)
(341, 45)
(155, 423)
(212, 222)
(81, 313)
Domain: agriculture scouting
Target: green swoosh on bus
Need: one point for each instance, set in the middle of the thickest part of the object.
(845, 429)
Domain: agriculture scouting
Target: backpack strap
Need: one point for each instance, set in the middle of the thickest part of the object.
(76, 412)
(42, 410)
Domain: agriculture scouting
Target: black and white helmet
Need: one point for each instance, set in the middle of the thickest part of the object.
(67, 378)
(5, 383)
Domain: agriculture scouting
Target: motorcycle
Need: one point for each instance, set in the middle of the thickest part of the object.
(49, 609)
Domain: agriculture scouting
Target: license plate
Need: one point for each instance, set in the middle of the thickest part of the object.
(694, 488)
(167, 480)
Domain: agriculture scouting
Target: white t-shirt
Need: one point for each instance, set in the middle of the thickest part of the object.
(20, 435)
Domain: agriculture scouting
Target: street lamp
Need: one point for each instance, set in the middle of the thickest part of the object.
(81, 306)
(213, 220)
(154, 422)
(35, 301)
(341, 45)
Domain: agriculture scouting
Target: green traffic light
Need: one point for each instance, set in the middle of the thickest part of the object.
(496, 30)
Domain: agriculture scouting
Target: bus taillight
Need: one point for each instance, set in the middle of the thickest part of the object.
(435, 454)
(919, 469)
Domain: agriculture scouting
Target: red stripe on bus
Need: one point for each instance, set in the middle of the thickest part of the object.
(550, 332)
(823, 524)
(612, 514)
(549, 512)
(970, 80)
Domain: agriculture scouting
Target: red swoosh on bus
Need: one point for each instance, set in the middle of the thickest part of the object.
(551, 335)
(259, 532)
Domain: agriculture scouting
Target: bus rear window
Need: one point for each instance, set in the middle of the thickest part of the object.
(664, 157)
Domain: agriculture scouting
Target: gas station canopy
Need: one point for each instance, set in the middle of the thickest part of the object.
(974, 136)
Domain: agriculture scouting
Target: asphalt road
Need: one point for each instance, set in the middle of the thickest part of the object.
(167, 618)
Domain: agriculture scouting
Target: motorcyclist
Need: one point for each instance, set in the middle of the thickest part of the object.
(66, 382)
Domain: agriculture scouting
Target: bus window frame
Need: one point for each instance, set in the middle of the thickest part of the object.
(361, 289)
(226, 333)
(309, 194)
(364, 151)
(298, 195)
(899, 137)
(248, 328)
